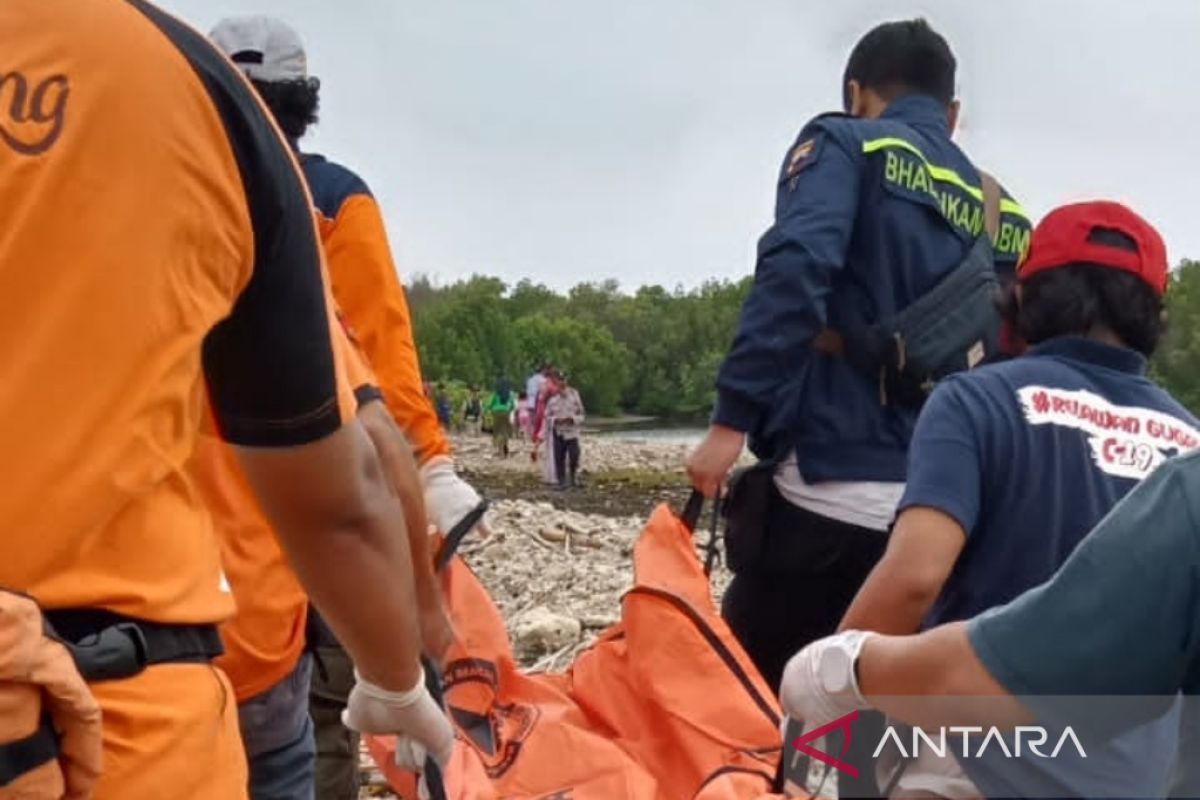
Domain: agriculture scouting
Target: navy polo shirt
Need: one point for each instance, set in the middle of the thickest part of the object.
(1028, 456)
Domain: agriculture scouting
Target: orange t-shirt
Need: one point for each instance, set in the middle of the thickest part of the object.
(156, 232)
(369, 292)
(264, 640)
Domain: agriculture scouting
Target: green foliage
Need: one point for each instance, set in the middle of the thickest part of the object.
(653, 352)
(596, 364)
(1176, 365)
(657, 351)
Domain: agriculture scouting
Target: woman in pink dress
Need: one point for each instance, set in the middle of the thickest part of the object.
(524, 417)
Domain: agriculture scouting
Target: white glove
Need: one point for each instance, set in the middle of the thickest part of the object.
(420, 726)
(448, 498)
(820, 683)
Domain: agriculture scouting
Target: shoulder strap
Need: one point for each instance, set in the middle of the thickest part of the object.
(991, 205)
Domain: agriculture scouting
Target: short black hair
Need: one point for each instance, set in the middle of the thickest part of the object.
(1076, 298)
(294, 103)
(903, 57)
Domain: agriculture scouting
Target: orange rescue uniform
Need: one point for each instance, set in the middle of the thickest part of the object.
(368, 290)
(265, 639)
(156, 233)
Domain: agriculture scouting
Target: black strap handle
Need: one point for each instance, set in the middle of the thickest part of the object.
(26, 755)
(456, 535)
(692, 510)
(780, 782)
(435, 782)
(690, 517)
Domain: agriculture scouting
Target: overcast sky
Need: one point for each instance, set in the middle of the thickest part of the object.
(564, 140)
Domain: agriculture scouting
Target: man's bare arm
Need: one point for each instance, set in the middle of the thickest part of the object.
(904, 585)
(935, 678)
(400, 465)
(344, 531)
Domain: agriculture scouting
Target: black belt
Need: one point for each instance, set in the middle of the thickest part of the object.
(26, 755)
(108, 646)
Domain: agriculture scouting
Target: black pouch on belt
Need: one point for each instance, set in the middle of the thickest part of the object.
(107, 646)
(746, 510)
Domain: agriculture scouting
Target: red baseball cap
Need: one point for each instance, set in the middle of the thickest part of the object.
(1103, 233)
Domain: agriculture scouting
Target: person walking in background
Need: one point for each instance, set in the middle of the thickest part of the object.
(441, 402)
(565, 411)
(533, 386)
(543, 427)
(473, 413)
(500, 408)
(524, 417)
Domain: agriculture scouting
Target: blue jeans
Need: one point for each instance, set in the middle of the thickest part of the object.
(277, 733)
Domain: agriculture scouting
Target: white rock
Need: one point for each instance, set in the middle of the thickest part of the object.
(552, 534)
(541, 631)
(585, 584)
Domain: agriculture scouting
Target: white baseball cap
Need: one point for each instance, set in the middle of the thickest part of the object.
(265, 48)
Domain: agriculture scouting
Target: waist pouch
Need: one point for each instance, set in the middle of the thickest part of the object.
(107, 646)
(952, 328)
(746, 509)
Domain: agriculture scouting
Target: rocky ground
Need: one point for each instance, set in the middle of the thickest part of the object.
(558, 562)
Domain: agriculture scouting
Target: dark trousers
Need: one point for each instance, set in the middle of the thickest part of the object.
(809, 571)
(337, 775)
(564, 450)
(278, 736)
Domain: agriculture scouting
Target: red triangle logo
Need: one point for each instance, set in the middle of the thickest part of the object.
(802, 743)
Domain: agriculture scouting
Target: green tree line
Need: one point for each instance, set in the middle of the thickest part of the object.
(657, 351)
(1176, 365)
(652, 352)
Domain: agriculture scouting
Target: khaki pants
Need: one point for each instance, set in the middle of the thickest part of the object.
(501, 432)
(337, 747)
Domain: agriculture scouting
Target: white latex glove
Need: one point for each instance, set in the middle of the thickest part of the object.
(420, 726)
(820, 683)
(448, 498)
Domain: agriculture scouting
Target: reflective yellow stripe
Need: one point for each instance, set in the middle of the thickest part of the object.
(943, 174)
(1013, 207)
